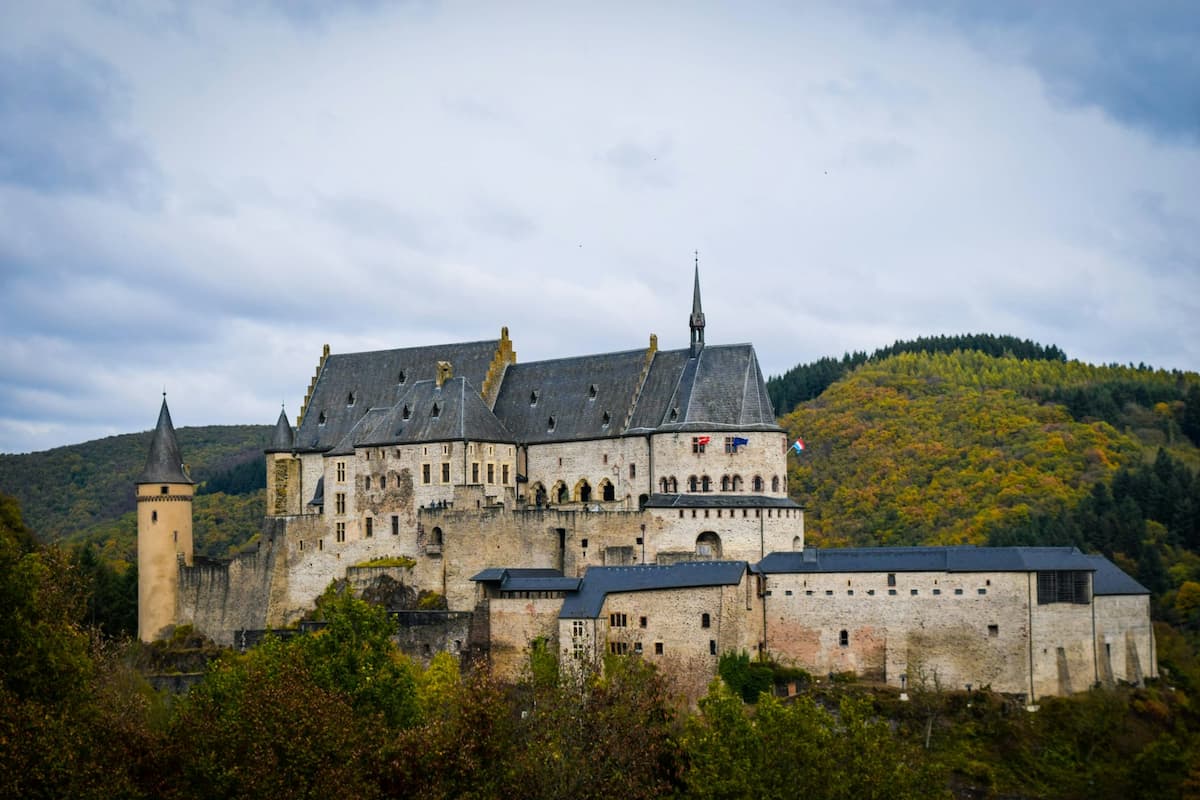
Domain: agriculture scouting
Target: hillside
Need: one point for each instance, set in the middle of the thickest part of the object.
(70, 492)
(954, 448)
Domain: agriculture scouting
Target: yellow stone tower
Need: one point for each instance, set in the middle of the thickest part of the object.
(164, 504)
(283, 471)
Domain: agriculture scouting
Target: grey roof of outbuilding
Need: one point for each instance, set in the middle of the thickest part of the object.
(164, 464)
(318, 498)
(564, 389)
(527, 580)
(1110, 579)
(928, 559)
(461, 415)
(283, 436)
(702, 500)
(599, 582)
(374, 378)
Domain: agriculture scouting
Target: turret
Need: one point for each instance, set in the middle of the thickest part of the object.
(164, 515)
(696, 321)
(283, 470)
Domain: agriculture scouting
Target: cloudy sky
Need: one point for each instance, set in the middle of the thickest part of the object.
(197, 196)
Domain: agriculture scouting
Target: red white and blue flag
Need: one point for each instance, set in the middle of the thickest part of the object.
(798, 446)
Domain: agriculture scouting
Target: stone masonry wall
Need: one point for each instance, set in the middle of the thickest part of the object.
(1125, 639)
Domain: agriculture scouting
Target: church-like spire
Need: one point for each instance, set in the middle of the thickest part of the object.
(163, 463)
(283, 436)
(696, 321)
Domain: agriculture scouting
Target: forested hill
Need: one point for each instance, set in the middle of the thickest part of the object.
(925, 448)
(806, 381)
(82, 487)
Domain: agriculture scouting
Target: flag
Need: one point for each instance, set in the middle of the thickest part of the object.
(738, 441)
(798, 446)
(703, 439)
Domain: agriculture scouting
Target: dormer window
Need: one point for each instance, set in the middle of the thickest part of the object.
(550, 425)
(605, 420)
(592, 392)
(401, 378)
(436, 411)
(321, 418)
(406, 412)
(674, 414)
(533, 398)
(350, 399)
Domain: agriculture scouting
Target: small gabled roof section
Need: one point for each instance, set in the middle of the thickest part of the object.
(1110, 580)
(928, 559)
(511, 579)
(599, 582)
(164, 464)
(283, 436)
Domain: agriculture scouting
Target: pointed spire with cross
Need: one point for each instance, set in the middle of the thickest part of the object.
(696, 321)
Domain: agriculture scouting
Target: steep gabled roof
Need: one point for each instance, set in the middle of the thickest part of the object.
(721, 388)
(164, 463)
(599, 582)
(568, 398)
(352, 383)
(928, 559)
(429, 413)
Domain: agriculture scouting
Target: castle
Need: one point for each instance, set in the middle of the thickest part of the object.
(631, 503)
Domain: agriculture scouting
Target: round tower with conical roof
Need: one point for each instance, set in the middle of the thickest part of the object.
(283, 470)
(164, 503)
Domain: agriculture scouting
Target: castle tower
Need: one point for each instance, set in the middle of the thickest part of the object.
(164, 516)
(283, 470)
(696, 321)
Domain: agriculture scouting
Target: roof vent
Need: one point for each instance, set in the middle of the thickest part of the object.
(321, 418)
(674, 414)
(533, 398)
(592, 392)
(550, 425)
(401, 378)
(350, 399)
(407, 412)
(605, 420)
(436, 411)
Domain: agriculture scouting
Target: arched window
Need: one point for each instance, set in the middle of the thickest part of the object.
(737, 483)
(537, 493)
(705, 620)
(435, 537)
(693, 483)
(607, 492)
(583, 491)
(758, 483)
(724, 483)
(705, 484)
(154, 516)
(663, 485)
(560, 492)
(774, 483)
(708, 545)
(844, 638)
(797, 544)
(674, 485)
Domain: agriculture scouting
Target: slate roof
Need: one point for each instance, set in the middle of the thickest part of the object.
(709, 500)
(1110, 579)
(374, 379)
(164, 464)
(721, 389)
(928, 559)
(283, 436)
(599, 582)
(528, 580)
(461, 415)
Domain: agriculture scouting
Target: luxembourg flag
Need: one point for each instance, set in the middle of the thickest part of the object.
(798, 446)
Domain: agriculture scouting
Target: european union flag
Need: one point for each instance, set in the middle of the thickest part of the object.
(738, 441)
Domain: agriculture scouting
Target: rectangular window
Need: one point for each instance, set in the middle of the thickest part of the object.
(341, 531)
(958, 591)
(583, 543)
(641, 622)
(320, 544)
(579, 651)
(504, 474)
(699, 443)
(425, 469)
(395, 525)
(658, 650)
(1063, 586)
(491, 473)
(370, 531)
(632, 471)
(341, 471)
(637, 648)
(577, 628)
(302, 544)
(445, 472)
(475, 472)
(339, 502)
(993, 631)
(445, 449)
(617, 620)
(618, 648)
(891, 579)
(712, 647)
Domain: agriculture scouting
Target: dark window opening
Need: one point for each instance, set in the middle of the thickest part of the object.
(705, 620)
(712, 647)
(658, 648)
(1063, 586)
(401, 378)
(844, 638)
(163, 490)
(891, 579)
(993, 631)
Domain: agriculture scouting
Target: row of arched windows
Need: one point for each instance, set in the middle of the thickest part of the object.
(729, 483)
(581, 492)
